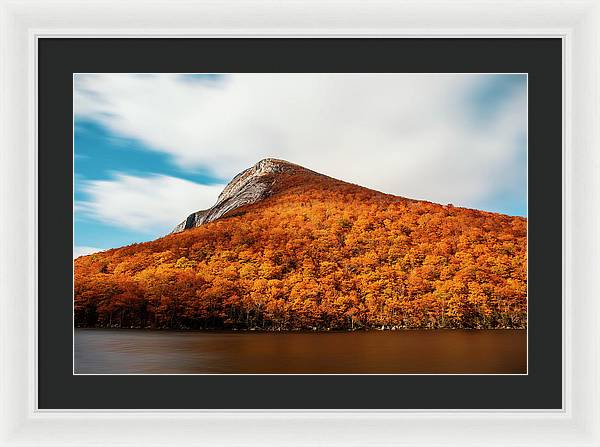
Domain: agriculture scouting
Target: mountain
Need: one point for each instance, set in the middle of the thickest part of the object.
(287, 248)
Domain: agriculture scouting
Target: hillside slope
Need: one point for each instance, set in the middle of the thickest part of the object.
(309, 251)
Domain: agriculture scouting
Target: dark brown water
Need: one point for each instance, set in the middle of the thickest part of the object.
(127, 351)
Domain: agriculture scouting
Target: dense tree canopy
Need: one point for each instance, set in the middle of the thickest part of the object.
(320, 253)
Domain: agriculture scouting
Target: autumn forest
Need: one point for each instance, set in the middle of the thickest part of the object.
(317, 254)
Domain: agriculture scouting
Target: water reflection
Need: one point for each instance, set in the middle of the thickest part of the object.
(127, 351)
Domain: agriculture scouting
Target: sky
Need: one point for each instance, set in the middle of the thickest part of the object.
(152, 148)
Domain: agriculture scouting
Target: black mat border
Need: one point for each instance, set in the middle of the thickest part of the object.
(59, 58)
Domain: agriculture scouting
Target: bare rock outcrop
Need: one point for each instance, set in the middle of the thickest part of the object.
(250, 186)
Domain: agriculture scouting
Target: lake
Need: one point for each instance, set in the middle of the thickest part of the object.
(139, 351)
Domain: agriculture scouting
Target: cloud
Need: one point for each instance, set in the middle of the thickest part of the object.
(151, 205)
(419, 136)
(79, 250)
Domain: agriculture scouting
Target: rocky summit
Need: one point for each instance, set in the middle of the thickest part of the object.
(249, 186)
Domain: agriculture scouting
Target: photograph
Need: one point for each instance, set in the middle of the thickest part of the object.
(300, 223)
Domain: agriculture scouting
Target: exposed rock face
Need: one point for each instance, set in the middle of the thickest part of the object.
(249, 186)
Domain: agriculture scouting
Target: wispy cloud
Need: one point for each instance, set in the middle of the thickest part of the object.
(151, 205)
(421, 136)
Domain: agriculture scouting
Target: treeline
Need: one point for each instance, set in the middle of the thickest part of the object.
(322, 255)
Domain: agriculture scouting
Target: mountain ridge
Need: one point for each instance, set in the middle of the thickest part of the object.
(309, 251)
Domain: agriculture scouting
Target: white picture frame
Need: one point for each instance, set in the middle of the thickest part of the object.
(576, 22)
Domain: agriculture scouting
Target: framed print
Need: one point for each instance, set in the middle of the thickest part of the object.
(289, 274)
(330, 236)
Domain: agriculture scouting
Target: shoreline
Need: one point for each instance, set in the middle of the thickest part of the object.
(309, 331)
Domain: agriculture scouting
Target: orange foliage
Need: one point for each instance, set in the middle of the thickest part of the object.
(319, 253)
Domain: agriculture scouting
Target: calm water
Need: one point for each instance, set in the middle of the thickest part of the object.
(110, 351)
